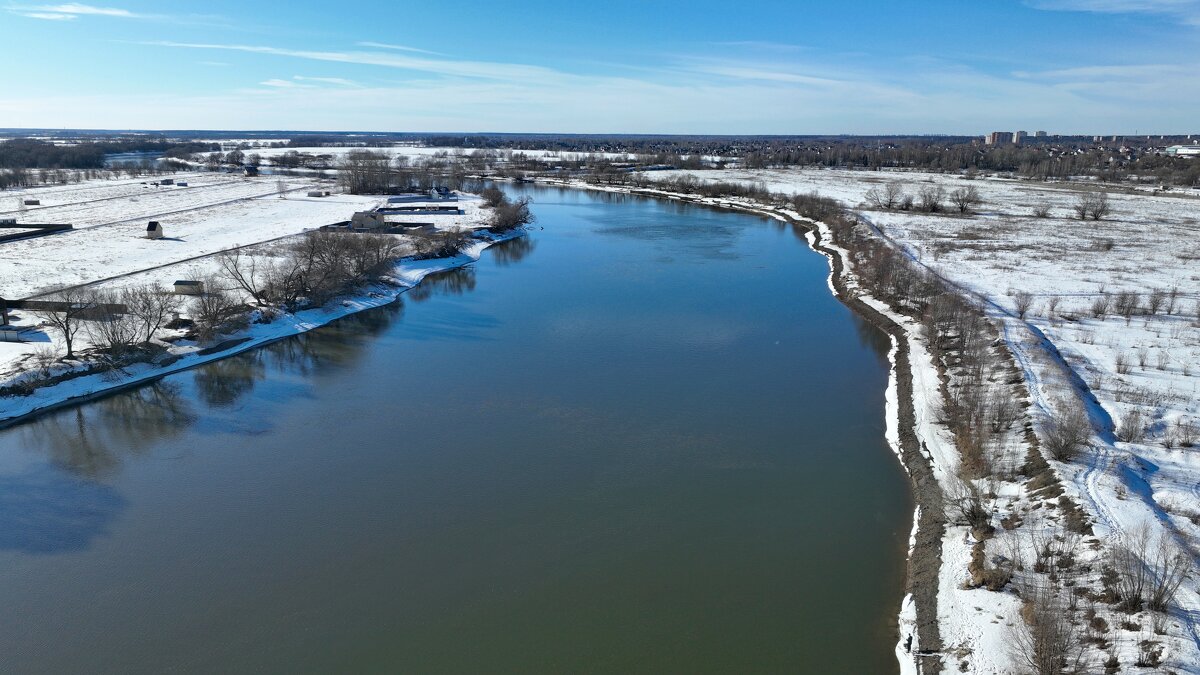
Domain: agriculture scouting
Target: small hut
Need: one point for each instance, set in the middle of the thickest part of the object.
(167, 181)
(33, 202)
(250, 171)
(318, 193)
(154, 230)
(182, 183)
(189, 287)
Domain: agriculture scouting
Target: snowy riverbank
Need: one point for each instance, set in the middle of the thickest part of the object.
(948, 621)
(183, 355)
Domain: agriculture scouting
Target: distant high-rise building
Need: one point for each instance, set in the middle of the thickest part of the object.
(1039, 134)
(1018, 137)
(999, 138)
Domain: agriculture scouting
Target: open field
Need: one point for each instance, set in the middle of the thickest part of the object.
(110, 224)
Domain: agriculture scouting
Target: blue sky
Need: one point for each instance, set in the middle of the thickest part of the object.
(885, 66)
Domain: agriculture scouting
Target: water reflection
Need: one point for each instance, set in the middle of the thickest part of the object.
(513, 251)
(89, 440)
(44, 511)
(451, 282)
(221, 383)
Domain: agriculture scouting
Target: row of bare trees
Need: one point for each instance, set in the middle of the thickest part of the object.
(309, 270)
(929, 198)
(95, 312)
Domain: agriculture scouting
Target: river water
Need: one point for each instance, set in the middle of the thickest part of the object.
(643, 439)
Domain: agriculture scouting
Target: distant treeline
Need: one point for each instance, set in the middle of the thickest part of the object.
(32, 153)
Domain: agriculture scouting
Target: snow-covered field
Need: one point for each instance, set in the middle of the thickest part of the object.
(109, 241)
(108, 248)
(1143, 369)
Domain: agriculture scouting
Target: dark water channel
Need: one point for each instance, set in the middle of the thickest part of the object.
(644, 439)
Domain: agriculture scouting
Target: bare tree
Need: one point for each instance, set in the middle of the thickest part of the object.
(112, 331)
(281, 188)
(1099, 207)
(77, 304)
(1100, 305)
(243, 270)
(151, 307)
(214, 309)
(892, 194)
(965, 198)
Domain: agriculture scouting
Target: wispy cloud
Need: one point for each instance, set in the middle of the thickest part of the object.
(71, 10)
(449, 67)
(46, 16)
(339, 81)
(285, 84)
(402, 48)
(1186, 11)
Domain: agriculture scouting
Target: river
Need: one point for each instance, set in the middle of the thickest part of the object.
(645, 438)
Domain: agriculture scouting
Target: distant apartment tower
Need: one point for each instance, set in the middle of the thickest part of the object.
(1039, 134)
(999, 138)
(1018, 137)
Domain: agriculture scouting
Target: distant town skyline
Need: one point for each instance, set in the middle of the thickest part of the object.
(1087, 67)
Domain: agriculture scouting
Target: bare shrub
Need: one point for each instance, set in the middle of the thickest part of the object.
(510, 215)
(1100, 305)
(1067, 431)
(493, 197)
(1003, 411)
(1187, 432)
(1051, 643)
(1041, 210)
(1127, 303)
(1093, 205)
(968, 508)
(439, 244)
(1156, 300)
(1123, 364)
(930, 198)
(965, 199)
(906, 202)
(1052, 306)
(1022, 300)
(1131, 429)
